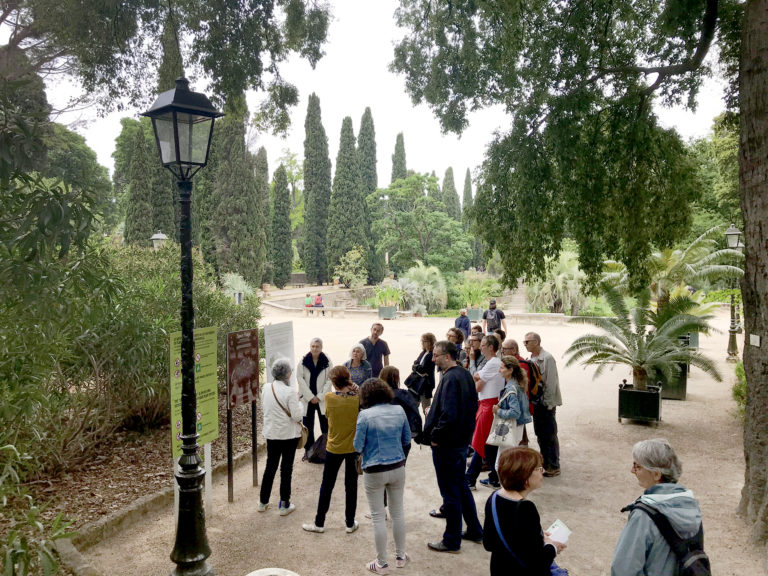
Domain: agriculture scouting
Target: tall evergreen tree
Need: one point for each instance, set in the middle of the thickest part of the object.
(281, 256)
(163, 217)
(366, 152)
(399, 170)
(317, 194)
(451, 196)
(466, 200)
(347, 221)
(260, 221)
(237, 249)
(164, 183)
(138, 216)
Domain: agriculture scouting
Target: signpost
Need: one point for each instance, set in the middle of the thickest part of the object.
(242, 388)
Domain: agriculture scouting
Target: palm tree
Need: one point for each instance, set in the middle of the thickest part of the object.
(644, 339)
(562, 288)
(668, 268)
(431, 286)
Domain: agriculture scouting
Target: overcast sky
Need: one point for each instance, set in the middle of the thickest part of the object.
(354, 74)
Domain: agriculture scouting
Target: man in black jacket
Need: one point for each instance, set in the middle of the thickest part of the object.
(449, 428)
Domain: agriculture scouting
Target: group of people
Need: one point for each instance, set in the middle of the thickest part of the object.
(370, 421)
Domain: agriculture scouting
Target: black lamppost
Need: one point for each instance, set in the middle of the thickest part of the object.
(183, 125)
(732, 236)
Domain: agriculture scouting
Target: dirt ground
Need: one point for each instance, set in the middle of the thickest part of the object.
(596, 480)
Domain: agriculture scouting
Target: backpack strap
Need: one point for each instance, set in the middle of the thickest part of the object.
(498, 530)
(680, 546)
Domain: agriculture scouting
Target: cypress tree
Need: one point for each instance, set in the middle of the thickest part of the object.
(237, 249)
(317, 194)
(282, 251)
(164, 185)
(260, 221)
(451, 196)
(138, 216)
(433, 190)
(366, 153)
(399, 170)
(466, 200)
(347, 221)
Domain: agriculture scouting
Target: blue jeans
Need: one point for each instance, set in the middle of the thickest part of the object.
(476, 465)
(458, 502)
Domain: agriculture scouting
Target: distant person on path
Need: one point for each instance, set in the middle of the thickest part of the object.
(521, 548)
(308, 303)
(425, 365)
(312, 374)
(376, 349)
(449, 427)
(318, 303)
(381, 437)
(341, 408)
(463, 323)
(281, 413)
(359, 368)
(544, 422)
(489, 383)
(641, 548)
(493, 318)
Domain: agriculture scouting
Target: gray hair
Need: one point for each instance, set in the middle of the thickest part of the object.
(360, 347)
(281, 370)
(657, 455)
(316, 339)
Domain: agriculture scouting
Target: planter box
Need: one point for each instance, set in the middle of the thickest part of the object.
(387, 312)
(676, 388)
(641, 405)
(475, 314)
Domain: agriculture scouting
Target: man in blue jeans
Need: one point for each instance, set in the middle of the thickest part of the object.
(449, 428)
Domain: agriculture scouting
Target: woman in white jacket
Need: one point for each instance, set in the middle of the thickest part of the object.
(282, 414)
(312, 374)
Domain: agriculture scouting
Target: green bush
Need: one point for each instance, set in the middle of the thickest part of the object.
(723, 296)
(739, 390)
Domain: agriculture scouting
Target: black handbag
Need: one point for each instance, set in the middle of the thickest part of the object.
(417, 383)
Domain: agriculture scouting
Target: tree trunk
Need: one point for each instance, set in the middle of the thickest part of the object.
(753, 176)
(640, 378)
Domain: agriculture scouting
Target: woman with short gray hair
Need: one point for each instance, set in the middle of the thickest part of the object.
(313, 376)
(359, 368)
(641, 548)
(281, 412)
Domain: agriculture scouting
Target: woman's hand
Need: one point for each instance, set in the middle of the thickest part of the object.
(495, 408)
(314, 400)
(559, 546)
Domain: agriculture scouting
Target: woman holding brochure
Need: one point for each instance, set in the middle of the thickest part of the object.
(512, 531)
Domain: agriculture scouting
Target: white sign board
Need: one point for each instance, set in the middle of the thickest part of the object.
(278, 343)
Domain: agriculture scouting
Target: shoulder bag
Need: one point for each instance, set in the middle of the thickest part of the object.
(503, 431)
(304, 431)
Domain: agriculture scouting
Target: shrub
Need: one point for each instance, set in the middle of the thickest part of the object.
(351, 270)
(739, 390)
(428, 288)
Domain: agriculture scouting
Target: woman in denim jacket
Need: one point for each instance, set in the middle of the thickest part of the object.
(514, 403)
(382, 434)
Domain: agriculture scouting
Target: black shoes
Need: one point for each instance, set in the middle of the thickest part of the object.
(478, 539)
(488, 484)
(549, 473)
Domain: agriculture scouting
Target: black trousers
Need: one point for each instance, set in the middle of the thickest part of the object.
(545, 427)
(309, 422)
(282, 452)
(333, 463)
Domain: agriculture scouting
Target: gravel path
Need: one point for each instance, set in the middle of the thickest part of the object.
(596, 480)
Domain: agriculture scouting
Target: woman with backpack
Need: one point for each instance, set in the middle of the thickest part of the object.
(642, 548)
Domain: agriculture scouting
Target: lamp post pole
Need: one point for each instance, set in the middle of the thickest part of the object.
(732, 236)
(183, 124)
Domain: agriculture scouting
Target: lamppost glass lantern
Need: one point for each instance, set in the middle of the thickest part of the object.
(183, 124)
(732, 236)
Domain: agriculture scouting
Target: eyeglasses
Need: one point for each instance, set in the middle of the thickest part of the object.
(507, 348)
(528, 341)
(636, 467)
(539, 469)
(437, 355)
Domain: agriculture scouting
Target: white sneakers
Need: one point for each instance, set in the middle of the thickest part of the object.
(313, 528)
(353, 528)
(263, 507)
(285, 510)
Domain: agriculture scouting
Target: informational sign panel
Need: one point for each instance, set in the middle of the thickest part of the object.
(278, 343)
(242, 367)
(205, 386)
